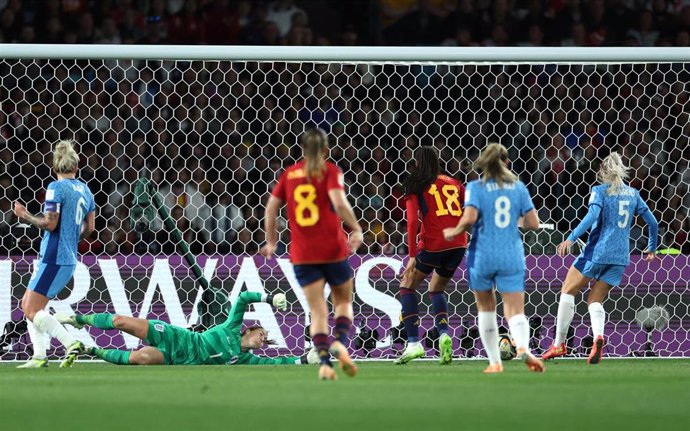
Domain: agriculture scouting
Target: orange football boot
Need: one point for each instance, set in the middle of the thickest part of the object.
(493, 369)
(597, 350)
(344, 361)
(555, 351)
(534, 364)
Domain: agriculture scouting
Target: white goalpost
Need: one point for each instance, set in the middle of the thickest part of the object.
(211, 128)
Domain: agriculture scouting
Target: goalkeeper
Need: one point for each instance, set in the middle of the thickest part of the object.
(172, 345)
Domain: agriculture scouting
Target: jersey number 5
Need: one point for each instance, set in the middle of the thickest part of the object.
(452, 204)
(305, 196)
(623, 212)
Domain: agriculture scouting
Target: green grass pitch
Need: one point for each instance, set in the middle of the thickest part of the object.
(615, 395)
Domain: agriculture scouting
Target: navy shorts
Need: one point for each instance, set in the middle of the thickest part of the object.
(443, 262)
(335, 273)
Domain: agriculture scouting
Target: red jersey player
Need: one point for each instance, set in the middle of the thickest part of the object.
(437, 199)
(316, 203)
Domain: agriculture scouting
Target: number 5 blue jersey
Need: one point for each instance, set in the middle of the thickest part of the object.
(496, 243)
(73, 200)
(609, 238)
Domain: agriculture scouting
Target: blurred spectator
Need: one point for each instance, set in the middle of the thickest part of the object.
(281, 12)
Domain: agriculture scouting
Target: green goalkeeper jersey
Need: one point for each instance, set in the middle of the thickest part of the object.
(222, 343)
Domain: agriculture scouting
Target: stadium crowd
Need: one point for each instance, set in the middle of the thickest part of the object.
(213, 137)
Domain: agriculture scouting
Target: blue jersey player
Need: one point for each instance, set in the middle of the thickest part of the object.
(68, 216)
(612, 206)
(494, 206)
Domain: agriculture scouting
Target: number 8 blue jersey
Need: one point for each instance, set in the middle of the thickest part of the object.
(496, 243)
(73, 200)
(609, 238)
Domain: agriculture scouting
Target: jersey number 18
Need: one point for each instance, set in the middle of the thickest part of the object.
(452, 204)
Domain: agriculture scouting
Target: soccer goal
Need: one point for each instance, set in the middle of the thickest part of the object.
(210, 128)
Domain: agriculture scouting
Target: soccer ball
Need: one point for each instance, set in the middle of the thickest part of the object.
(506, 346)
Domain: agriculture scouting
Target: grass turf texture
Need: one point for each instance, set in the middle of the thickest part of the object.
(616, 395)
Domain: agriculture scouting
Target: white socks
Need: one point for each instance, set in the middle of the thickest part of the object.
(488, 332)
(519, 329)
(39, 340)
(45, 322)
(566, 311)
(597, 317)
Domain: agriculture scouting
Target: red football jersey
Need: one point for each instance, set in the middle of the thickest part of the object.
(316, 231)
(439, 207)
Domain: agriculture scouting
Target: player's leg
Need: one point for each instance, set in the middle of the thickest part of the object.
(486, 322)
(147, 355)
(574, 282)
(39, 339)
(597, 315)
(131, 325)
(439, 300)
(409, 299)
(47, 283)
(512, 288)
(341, 294)
(318, 327)
(439, 307)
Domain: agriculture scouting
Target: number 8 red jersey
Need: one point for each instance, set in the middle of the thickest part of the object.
(440, 206)
(316, 231)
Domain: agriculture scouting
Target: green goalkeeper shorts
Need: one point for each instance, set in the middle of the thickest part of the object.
(179, 346)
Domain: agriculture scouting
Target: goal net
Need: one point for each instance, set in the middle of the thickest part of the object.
(213, 135)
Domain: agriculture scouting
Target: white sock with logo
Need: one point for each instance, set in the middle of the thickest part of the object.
(39, 340)
(566, 311)
(47, 323)
(488, 332)
(519, 329)
(597, 316)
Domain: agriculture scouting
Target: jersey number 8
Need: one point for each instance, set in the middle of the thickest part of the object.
(305, 196)
(452, 205)
(502, 216)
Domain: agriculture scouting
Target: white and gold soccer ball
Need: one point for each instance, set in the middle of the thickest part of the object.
(506, 347)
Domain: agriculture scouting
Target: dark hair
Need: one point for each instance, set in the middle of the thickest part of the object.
(425, 171)
(254, 328)
(314, 145)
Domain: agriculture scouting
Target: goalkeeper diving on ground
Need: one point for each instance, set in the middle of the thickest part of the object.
(172, 345)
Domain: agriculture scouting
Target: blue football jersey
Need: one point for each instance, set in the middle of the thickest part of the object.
(496, 243)
(609, 237)
(73, 200)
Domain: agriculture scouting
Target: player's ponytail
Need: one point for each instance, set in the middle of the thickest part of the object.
(613, 172)
(492, 164)
(314, 146)
(424, 172)
(65, 158)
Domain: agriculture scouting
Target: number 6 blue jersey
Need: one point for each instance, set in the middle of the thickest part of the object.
(73, 200)
(609, 237)
(496, 243)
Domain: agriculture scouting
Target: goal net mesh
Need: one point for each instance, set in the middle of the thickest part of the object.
(213, 136)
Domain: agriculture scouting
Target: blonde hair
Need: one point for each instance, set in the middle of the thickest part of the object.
(613, 172)
(492, 164)
(65, 158)
(314, 145)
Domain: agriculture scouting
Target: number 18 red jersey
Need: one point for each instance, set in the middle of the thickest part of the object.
(316, 231)
(439, 206)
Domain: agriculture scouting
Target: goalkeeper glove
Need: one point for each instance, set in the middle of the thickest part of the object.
(280, 301)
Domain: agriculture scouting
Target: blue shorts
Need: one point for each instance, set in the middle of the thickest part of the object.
(50, 279)
(335, 273)
(505, 282)
(611, 274)
(443, 262)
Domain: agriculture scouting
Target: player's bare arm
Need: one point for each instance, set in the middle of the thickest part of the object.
(272, 209)
(48, 222)
(469, 218)
(88, 226)
(344, 210)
